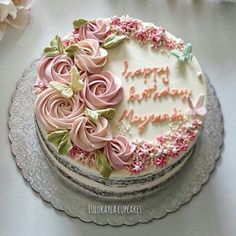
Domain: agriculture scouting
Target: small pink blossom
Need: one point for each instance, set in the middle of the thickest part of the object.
(136, 167)
(161, 160)
(170, 43)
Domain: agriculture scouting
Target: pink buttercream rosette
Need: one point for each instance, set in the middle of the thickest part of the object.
(118, 151)
(56, 112)
(95, 29)
(88, 136)
(90, 57)
(102, 90)
(55, 69)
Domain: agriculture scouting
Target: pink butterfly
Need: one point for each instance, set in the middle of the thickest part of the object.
(198, 109)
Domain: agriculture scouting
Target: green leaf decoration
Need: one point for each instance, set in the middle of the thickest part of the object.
(76, 83)
(61, 139)
(113, 40)
(184, 55)
(65, 144)
(109, 113)
(51, 51)
(56, 47)
(64, 89)
(92, 115)
(71, 49)
(79, 22)
(103, 165)
(56, 136)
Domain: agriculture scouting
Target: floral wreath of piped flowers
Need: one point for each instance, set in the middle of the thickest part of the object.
(76, 98)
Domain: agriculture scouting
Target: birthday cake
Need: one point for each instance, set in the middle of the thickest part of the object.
(119, 106)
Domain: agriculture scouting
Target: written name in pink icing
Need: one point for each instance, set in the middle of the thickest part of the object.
(142, 120)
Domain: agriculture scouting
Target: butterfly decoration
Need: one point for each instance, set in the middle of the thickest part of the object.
(183, 55)
(69, 90)
(56, 47)
(199, 109)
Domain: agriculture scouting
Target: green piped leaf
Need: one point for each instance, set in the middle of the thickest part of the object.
(103, 165)
(71, 49)
(184, 55)
(109, 113)
(55, 137)
(56, 47)
(64, 89)
(60, 45)
(79, 22)
(65, 144)
(76, 83)
(92, 115)
(113, 40)
(61, 139)
(51, 51)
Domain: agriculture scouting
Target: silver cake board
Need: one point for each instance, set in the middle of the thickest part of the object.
(38, 172)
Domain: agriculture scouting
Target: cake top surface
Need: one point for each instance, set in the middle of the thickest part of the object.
(120, 96)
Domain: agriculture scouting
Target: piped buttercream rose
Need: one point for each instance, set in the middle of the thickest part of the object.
(95, 29)
(118, 151)
(89, 56)
(89, 136)
(55, 69)
(102, 90)
(55, 112)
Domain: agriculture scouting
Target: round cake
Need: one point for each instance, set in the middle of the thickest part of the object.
(119, 106)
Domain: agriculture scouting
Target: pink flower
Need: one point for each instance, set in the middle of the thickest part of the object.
(118, 151)
(160, 160)
(170, 43)
(136, 167)
(102, 90)
(77, 153)
(88, 136)
(95, 29)
(55, 69)
(54, 111)
(89, 56)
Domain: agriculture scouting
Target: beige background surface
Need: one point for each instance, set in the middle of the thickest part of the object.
(210, 27)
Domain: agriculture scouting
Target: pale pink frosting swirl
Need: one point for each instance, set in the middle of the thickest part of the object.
(88, 136)
(95, 29)
(55, 112)
(90, 57)
(102, 90)
(55, 68)
(118, 151)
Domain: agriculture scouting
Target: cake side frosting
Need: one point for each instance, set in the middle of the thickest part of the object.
(120, 98)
